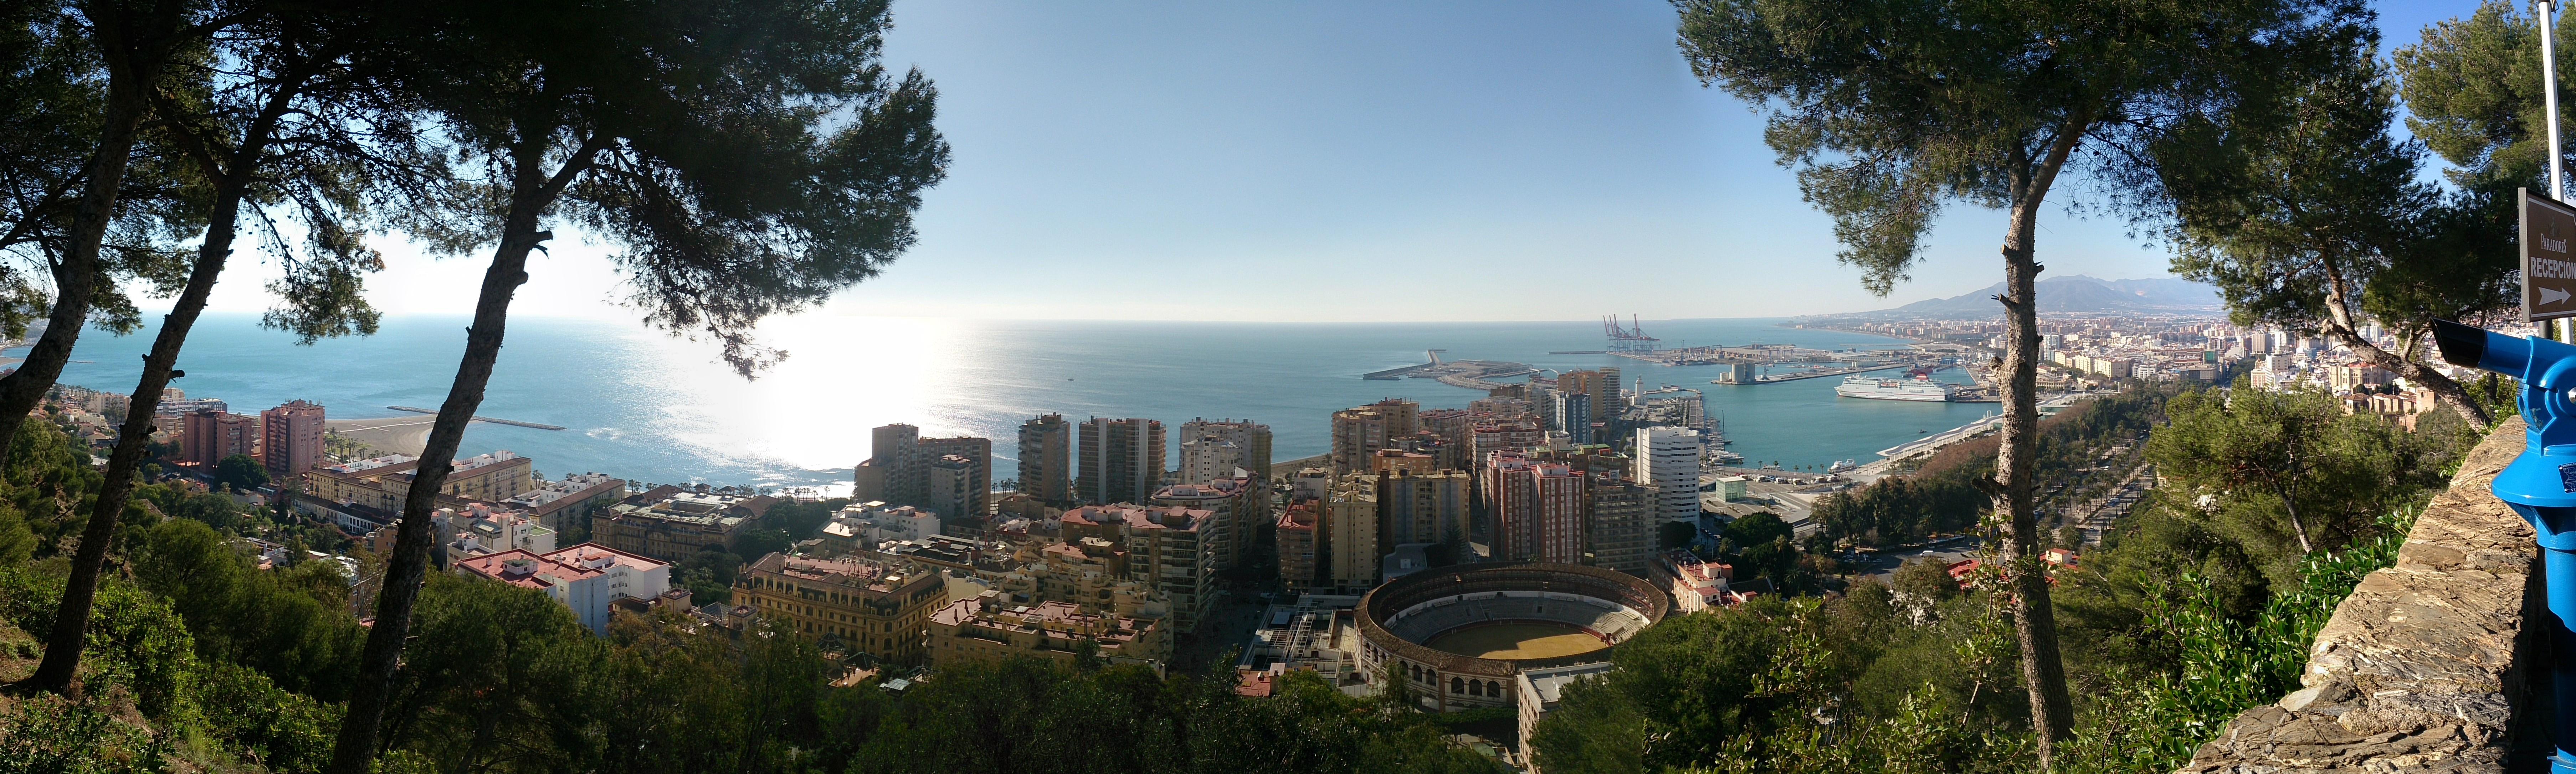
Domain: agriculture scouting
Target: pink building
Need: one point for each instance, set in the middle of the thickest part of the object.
(207, 437)
(589, 578)
(291, 439)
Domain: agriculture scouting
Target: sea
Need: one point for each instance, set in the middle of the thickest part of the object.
(645, 406)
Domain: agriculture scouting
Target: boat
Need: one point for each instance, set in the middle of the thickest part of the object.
(1727, 457)
(1919, 388)
(1843, 465)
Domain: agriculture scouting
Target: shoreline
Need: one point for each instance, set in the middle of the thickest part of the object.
(396, 435)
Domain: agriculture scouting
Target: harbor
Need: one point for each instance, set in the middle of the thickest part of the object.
(1470, 374)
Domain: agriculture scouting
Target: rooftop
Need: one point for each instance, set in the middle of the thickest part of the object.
(520, 567)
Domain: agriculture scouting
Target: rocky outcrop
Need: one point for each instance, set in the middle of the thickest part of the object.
(2416, 670)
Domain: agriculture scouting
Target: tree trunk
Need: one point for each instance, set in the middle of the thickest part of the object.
(531, 192)
(71, 619)
(2341, 328)
(2034, 618)
(74, 280)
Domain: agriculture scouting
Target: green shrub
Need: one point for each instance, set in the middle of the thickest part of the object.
(49, 736)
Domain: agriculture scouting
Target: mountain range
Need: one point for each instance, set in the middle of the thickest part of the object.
(2076, 294)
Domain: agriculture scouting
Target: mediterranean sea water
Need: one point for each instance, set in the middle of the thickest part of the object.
(643, 406)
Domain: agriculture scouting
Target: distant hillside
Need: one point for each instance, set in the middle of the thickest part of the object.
(2077, 294)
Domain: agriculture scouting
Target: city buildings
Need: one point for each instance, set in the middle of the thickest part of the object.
(864, 525)
(1122, 460)
(1540, 690)
(1046, 459)
(958, 488)
(670, 525)
(1695, 585)
(291, 439)
(588, 578)
(904, 468)
(878, 607)
(479, 528)
(381, 483)
(1537, 509)
(1571, 412)
(1668, 460)
(175, 404)
(569, 502)
(207, 437)
(1514, 434)
(1296, 539)
(1600, 391)
(1426, 507)
(1456, 429)
(1091, 573)
(1318, 633)
(1210, 450)
(1164, 547)
(1350, 524)
(984, 629)
(1360, 432)
(1622, 524)
(1239, 506)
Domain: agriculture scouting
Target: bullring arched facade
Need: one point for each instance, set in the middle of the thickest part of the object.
(1396, 618)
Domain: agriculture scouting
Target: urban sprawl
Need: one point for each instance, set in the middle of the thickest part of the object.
(1572, 489)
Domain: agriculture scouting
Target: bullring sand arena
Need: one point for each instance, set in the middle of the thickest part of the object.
(1459, 637)
(1518, 640)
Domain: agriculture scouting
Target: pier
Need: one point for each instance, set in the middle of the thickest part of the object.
(1400, 372)
(1470, 374)
(1894, 455)
(480, 418)
(1822, 374)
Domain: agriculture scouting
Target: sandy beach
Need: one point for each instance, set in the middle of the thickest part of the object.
(400, 435)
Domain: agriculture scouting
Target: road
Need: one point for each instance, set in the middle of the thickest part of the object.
(2097, 516)
(1882, 565)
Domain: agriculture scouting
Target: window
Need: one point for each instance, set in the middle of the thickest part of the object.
(1457, 685)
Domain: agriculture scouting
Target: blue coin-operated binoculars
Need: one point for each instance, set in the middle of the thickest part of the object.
(2540, 484)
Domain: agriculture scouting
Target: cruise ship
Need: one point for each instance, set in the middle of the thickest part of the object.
(1874, 388)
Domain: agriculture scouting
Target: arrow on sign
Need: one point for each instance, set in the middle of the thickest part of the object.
(2551, 296)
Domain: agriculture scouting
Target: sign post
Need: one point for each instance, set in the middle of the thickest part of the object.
(2548, 265)
(2557, 183)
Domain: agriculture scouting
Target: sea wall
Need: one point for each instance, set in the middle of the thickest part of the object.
(2420, 669)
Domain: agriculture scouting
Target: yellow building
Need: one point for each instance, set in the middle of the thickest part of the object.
(382, 483)
(986, 629)
(876, 607)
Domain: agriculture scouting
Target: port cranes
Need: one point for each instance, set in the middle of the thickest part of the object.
(1631, 338)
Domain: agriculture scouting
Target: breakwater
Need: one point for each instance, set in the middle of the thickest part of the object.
(479, 418)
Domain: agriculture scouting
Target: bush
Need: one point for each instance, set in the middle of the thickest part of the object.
(49, 736)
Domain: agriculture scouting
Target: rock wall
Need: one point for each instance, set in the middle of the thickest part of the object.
(2417, 670)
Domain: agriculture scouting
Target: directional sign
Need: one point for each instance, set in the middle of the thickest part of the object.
(2548, 268)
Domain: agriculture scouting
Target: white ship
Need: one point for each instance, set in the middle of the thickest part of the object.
(1874, 388)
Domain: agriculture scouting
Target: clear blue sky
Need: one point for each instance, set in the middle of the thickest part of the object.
(1334, 161)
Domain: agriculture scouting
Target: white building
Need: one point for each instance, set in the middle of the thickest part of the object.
(587, 578)
(482, 529)
(1209, 458)
(1540, 690)
(1668, 460)
(877, 522)
(1213, 449)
